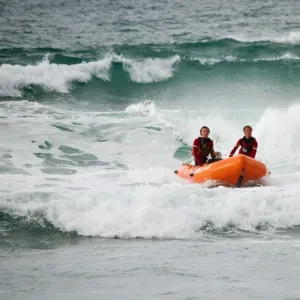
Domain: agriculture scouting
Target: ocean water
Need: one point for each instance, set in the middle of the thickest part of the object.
(100, 102)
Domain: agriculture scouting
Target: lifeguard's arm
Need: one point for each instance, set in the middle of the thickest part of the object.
(213, 154)
(254, 149)
(234, 148)
(195, 151)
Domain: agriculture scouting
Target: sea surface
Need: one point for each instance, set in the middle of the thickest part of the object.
(100, 102)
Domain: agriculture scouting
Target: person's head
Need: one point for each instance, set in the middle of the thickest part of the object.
(247, 131)
(204, 131)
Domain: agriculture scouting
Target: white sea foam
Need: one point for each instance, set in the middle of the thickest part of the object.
(134, 192)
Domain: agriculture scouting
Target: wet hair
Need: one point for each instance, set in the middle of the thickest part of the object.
(247, 126)
(204, 127)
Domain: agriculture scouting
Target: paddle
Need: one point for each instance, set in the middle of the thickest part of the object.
(240, 180)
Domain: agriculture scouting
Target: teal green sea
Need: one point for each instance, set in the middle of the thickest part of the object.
(100, 101)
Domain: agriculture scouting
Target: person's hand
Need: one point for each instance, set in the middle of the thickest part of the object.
(218, 154)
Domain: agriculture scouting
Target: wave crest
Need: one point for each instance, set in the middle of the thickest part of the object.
(57, 77)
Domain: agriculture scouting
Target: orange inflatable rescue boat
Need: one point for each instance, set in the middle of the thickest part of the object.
(233, 171)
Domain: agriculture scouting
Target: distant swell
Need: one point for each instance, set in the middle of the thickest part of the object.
(57, 77)
(51, 77)
(292, 37)
(55, 70)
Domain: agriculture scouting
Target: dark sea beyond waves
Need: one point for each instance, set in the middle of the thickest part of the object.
(99, 102)
(76, 25)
